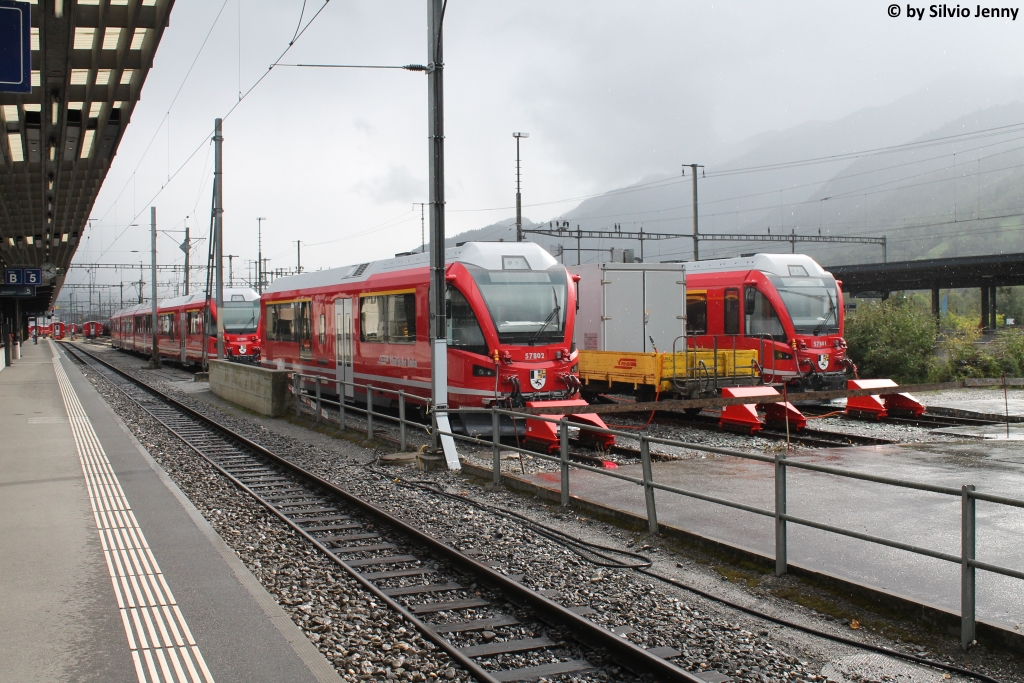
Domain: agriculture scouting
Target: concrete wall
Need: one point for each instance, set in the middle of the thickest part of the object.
(255, 388)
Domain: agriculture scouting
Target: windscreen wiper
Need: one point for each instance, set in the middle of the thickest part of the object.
(831, 313)
(547, 320)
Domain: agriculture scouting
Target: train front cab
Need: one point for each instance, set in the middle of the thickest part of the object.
(794, 322)
(510, 344)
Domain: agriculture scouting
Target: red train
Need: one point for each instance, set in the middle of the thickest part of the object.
(181, 335)
(511, 311)
(58, 330)
(93, 329)
(783, 305)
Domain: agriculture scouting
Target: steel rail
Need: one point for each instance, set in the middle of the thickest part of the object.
(623, 651)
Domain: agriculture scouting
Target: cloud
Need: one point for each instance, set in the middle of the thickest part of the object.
(398, 184)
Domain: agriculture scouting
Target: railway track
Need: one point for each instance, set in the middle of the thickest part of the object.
(482, 618)
(807, 437)
(931, 420)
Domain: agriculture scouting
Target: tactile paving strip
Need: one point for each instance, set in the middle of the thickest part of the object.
(161, 644)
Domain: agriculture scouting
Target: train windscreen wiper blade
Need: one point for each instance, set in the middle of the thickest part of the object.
(547, 320)
(831, 313)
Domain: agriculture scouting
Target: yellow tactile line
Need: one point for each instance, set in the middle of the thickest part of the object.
(161, 644)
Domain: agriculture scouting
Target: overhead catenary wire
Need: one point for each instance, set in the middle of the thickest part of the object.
(208, 138)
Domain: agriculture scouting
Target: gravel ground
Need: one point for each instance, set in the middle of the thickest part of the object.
(709, 635)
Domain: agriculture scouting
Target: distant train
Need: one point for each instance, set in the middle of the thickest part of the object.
(511, 311)
(186, 333)
(93, 329)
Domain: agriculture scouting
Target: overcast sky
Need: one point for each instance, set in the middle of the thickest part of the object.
(609, 92)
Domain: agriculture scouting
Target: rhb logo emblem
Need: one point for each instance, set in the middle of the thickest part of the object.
(538, 378)
(626, 363)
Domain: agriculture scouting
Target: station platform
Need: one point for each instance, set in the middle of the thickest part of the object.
(109, 572)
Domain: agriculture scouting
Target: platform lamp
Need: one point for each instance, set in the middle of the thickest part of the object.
(519, 196)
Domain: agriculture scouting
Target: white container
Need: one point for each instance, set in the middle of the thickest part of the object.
(624, 305)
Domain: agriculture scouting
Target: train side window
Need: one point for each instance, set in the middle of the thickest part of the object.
(401, 318)
(281, 324)
(762, 318)
(371, 318)
(732, 311)
(322, 330)
(696, 314)
(305, 329)
(166, 325)
(463, 328)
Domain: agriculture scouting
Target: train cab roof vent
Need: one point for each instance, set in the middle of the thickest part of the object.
(237, 297)
(361, 269)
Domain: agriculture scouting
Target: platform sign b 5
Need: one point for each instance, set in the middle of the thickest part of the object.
(15, 47)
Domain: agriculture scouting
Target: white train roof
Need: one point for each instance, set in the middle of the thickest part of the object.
(776, 264)
(486, 255)
(230, 294)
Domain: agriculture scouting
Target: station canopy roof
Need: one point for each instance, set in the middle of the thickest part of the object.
(90, 59)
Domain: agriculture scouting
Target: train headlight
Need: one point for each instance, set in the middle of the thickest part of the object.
(481, 371)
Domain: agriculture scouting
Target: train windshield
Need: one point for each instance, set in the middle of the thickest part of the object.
(241, 317)
(526, 306)
(812, 302)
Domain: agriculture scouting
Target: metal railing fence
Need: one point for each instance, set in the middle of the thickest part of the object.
(968, 494)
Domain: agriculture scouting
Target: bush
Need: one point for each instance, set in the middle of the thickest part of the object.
(891, 339)
(1008, 349)
(963, 356)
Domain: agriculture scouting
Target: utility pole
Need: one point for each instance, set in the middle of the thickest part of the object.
(231, 269)
(186, 247)
(121, 287)
(259, 255)
(298, 256)
(519, 196)
(218, 226)
(696, 238)
(423, 230)
(439, 328)
(154, 361)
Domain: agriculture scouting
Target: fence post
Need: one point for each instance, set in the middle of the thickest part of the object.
(401, 420)
(297, 389)
(967, 585)
(369, 412)
(318, 399)
(563, 442)
(781, 561)
(645, 461)
(341, 406)
(496, 443)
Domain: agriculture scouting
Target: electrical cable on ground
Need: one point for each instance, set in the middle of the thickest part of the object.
(584, 548)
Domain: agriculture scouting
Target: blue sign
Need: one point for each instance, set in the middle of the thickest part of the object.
(14, 276)
(33, 276)
(15, 47)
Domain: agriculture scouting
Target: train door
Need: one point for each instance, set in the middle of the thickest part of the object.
(343, 341)
(181, 319)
